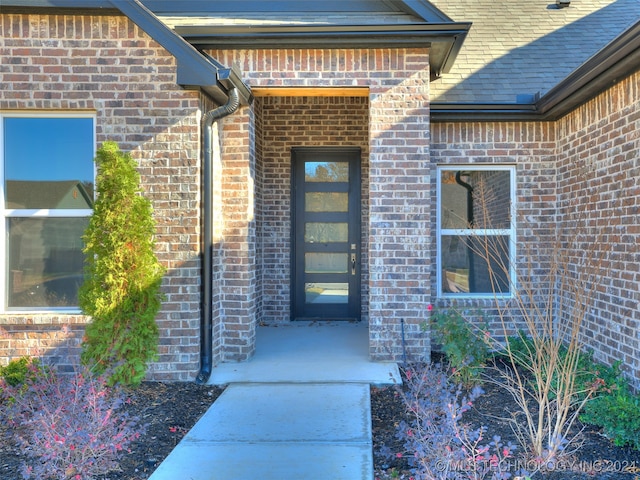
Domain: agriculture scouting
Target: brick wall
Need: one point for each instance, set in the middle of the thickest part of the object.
(107, 65)
(531, 148)
(583, 167)
(400, 233)
(239, 276)
(599, 181)
(398, 256)
(289, 122)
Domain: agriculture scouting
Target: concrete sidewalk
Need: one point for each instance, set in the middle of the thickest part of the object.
(300, 409)
(278, 431)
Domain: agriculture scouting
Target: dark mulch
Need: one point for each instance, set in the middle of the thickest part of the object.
(169, 410)
(597, 457)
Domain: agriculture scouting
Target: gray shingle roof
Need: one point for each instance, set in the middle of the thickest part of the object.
(518, 48)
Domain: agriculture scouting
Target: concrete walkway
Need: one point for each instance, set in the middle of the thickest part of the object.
(299, 409)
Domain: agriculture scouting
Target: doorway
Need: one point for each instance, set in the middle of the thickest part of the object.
(326, 233)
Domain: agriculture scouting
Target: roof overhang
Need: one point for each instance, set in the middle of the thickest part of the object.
(616, 61)
(439, 33)
(443, 39)
(194, 69)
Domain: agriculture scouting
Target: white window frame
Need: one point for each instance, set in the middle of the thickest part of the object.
(33, 213)
(510, 232)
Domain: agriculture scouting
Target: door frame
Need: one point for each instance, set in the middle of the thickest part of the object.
(354, 156)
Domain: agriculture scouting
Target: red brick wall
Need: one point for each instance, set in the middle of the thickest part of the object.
(599, 180)
(107, 65)
(586, 165)
(289, 122)
(398, 235)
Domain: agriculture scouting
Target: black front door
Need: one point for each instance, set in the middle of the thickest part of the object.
(326, 233)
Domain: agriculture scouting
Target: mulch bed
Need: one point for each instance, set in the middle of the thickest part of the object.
(169, 411)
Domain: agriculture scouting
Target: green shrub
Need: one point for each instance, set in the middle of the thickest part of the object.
(16, 374)
(618, 413)
(592, 378)
(462, 343)
(121, 291)
(613, 407)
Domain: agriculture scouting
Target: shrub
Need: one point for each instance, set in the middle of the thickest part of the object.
(618, 413)
(558, 272)
(438, 444)
(591, 378)
(16, 373)
(68, 426)
(462, 343)
(121, 291)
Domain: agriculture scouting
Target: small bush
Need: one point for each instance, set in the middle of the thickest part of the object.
(611, 406)
(15, 373)
(438, 445)
(68, 425)
(592, 378)
(121, 291)
(462, 343)
(618, 413)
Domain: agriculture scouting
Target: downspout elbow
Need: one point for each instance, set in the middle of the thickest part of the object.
(206, 321)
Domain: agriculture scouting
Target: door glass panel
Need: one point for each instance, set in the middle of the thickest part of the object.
(326, 232)
(326, 172)
(326, 262)
(326, 202)
(326, 293)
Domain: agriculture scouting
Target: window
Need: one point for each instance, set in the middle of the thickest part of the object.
(475, 231)
(47, 198)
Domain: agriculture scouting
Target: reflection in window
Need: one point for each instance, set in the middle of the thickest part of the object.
(48, 176)
(475, 199)
(48, 162)
(326, 202)
(324, 293)
(315, 262)
(475, 230)
(316, 232)
(45, 261)
(326, 171)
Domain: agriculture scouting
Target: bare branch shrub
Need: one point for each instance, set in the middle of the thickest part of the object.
(558, 271)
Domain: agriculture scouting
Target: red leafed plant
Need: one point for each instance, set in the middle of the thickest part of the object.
(69, 426)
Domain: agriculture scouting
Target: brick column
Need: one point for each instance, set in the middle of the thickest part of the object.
(399, 235)
(238, 288)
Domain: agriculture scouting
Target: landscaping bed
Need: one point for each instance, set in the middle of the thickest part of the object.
(169, 411)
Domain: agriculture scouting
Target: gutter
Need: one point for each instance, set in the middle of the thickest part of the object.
(206, 323)
(444, 39)
(616, 61)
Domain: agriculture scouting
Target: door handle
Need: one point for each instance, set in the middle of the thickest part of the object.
(353, 264)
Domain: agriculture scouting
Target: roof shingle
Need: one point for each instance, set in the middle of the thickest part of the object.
(517, 49)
